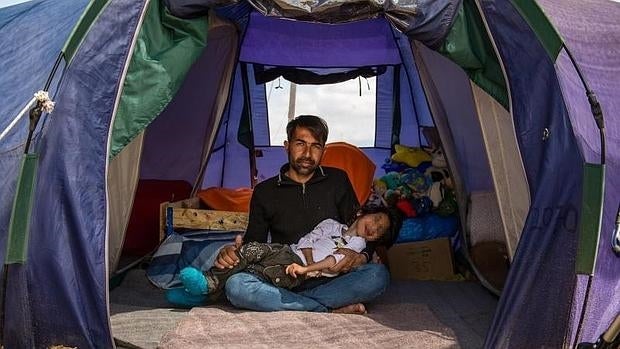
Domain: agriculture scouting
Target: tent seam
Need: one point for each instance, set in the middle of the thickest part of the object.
(107, 158)
(77, 47)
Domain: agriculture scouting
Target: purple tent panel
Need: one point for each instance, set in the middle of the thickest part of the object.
(592, 35)
(273, 41)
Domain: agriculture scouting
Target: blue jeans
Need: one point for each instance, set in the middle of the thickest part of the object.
(362, 284)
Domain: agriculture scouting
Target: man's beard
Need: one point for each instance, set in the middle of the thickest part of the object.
(303, 169)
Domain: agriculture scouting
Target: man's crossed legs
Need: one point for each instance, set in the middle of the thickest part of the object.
(360, 285)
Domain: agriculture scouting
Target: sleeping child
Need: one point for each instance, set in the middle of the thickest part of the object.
(287, 266)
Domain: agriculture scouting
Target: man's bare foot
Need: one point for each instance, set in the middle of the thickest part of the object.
(357, 308)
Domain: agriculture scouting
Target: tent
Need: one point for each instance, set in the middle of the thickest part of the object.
(175, 91)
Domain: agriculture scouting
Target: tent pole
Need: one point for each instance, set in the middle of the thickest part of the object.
(597, 113)
(248, 108)
(292, 98)
(595, 106)
(35, 113)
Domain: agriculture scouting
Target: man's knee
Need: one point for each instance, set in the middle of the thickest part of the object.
(238, 288)
(375, 276)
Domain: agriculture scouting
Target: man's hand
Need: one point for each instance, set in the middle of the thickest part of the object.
(227, 258)
(296, 269)
(351, 260)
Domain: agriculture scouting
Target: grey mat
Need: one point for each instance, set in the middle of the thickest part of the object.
(389, 326)
(140, 314)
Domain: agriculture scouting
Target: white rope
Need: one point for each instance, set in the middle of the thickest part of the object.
(18, 117)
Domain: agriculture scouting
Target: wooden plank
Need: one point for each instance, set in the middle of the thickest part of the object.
(162, 220)
(209, 219)
(194, 203)
(187, 203)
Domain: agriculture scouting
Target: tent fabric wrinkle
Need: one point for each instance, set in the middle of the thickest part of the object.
(468, 45)
(27, 61)
(182, 125)
(544, 30)
(427, 21)
(166, 48)
(92, 11)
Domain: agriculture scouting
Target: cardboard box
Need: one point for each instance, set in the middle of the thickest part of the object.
(422, 260)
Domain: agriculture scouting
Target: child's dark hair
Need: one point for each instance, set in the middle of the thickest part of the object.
(394, 217)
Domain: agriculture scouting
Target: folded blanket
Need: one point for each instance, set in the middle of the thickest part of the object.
(197, 249)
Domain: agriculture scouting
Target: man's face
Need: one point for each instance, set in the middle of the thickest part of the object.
(304, 151)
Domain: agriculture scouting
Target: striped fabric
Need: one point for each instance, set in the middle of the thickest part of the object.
(197, 249)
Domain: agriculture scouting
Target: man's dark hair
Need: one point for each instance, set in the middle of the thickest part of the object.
(316, 126)
(396, 222)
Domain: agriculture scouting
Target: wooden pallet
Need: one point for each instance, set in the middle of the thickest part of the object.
(192, 214)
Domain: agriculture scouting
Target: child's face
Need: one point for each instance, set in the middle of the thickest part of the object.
(372, 226)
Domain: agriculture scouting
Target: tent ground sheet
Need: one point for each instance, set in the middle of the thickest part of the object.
(413, 314)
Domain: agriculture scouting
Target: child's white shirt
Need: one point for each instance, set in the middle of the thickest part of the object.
(325, 238)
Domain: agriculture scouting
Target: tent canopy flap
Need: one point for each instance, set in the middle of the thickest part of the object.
(166, 48)
(427, 21)
(272, 41)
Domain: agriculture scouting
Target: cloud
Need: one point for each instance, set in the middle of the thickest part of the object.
(350, 117)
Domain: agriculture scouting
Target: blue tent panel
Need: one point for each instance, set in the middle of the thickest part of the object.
(68, 228)
(38, 30)
(542, 272)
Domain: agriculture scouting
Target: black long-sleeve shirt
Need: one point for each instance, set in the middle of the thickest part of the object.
(289, 209)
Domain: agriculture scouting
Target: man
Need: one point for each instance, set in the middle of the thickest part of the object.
(289, 205)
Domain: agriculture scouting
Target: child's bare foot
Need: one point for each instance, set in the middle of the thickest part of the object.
(357, 308)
